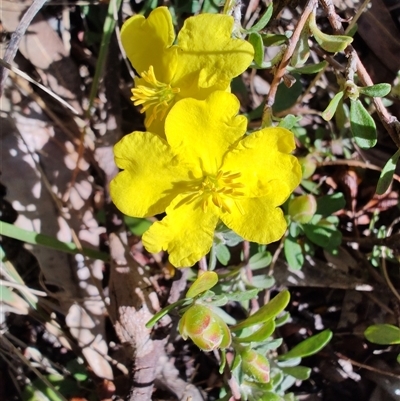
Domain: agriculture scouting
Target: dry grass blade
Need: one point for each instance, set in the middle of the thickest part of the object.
(22, 74)
(16, 38)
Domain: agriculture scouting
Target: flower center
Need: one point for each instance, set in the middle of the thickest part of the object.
(154, 94)
(220, 187)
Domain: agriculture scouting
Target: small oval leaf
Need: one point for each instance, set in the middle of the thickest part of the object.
(329, 112)
(330, 43)
(256, 40)
(302, 50)
(309, 346)
(362, 125)
(387, 173)
(261, 334)
(272, 309)
(263, 21)
(383, 334)
(293, 253)
(203, 283)
(299, 372)
(378, 90)
(309, 68)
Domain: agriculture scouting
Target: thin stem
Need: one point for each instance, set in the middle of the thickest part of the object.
(281, 70)
(203, 264)
(367, 367)
(390, 122)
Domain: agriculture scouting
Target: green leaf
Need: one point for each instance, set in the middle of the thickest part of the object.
(329, 112)
(260, 335)
(309, 346)
(270, 396)
(324, 235)
(272, 39)
(383, 334)
(256, 41)
(243, 295)
(289, 121)
(31, 237)
(223, 254)
(302, 50)
(362, 125)
(293, 253)
(262, 281)
(226, 236)
(210, 6)
(77, 370)
(309, 68)
(270, 345)
(263, 21)
(267, 312)
(137, 225)
(282, 319)
(299, 372)
(330, 43)
(202, 284)
(378, 90)
(398, 358)
(329, 204)
(387, 173)
(260, 260)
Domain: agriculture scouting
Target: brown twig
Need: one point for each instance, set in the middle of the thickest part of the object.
(391, 124)
(281, 70)
(16, 37)
(367, 367)
(354, 163)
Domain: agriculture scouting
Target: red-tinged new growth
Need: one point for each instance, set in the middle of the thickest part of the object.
(206, 329)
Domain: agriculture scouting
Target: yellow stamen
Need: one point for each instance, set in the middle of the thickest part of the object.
(154, 94)
(219, 189)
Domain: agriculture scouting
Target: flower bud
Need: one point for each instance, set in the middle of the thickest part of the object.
(255, 365)
(206, 329)
(302, 208)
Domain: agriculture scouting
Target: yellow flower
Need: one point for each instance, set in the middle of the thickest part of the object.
(206, 171)
(204, 59)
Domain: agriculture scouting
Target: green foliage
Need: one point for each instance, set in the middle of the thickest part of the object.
(330, 43)
(266, 312)
(384, 334)
(9, 230)
(293, 253)
(137, 225)
(203, 283)
(263, 21)
(256, 40)
(333, 104)
(387, 173)
(378, 90)
(309, 346)
(362, 125)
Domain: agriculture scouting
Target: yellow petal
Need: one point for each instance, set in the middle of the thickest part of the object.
(148, 42)
(186, 232)
(207, 48)
(203, 130)
(261, 221)
(152, 176)
(264, 156)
